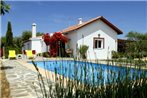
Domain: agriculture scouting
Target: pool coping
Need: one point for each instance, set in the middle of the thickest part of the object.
(107, 62)
(52, 76)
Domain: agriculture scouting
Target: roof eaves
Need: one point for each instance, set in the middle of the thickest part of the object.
(111, 25)
(90, 21)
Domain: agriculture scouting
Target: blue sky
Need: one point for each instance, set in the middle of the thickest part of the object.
(54, 16)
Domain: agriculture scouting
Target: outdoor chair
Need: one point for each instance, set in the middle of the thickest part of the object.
(29, 54)
(12, 54)
(34, 52)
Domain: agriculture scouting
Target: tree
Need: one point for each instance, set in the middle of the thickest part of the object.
(57, 44)
(137, 44)
(9, 39)
(4, 7)
(46, 38)
(39, 34)
(9, 35)
(18, 44)
(3, 41)
(28, 34)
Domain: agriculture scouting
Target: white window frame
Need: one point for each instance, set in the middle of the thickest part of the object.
(98, 39)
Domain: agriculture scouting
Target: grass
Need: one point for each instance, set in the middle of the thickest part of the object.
(118, 85)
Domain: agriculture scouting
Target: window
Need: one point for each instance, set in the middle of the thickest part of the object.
(98, 43)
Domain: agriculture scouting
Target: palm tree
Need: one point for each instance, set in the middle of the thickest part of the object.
(4, 7)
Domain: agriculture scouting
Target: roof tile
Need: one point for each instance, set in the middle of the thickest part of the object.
(75, 27)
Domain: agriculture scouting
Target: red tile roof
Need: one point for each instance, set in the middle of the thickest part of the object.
(78, 26)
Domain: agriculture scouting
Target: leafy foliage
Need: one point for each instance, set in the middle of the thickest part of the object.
(7, 48)
(3, 41)
(137, 44)
(46, 38)
(15, 43)
(115, 54)
(7, 41)
(39, 34)
(28, 34)
(4, 7)
(120, 83)
(9, 35)
(56, 41)
(18, 44)
(82, 50)
(44, 54)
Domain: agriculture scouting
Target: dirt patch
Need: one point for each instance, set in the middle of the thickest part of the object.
(4, 86)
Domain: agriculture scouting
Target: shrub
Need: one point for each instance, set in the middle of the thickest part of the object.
(46, 54)
(56, 42)
(7, 48)
(82, 50)
(115, 54)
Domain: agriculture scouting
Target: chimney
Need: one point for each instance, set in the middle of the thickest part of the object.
(80, 20)
(33, 30)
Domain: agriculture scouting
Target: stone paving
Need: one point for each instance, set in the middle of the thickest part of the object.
(24, 82)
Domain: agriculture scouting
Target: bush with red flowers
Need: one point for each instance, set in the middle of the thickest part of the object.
(55, 42)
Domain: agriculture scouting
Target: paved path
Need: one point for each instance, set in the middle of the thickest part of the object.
(23, 81)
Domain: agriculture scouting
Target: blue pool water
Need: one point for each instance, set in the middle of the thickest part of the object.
(90, 73)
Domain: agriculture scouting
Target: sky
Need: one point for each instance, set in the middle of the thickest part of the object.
(53, 16)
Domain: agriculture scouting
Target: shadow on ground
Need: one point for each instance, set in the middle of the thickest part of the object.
(5, 67)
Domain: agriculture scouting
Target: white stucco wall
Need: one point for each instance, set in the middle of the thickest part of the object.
(73, 41)
(39, 46)
(35, 44)
(90, 31)
(27, 45)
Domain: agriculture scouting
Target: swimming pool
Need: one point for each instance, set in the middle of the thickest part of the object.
(91, 73)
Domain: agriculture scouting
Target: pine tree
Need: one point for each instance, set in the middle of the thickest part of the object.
(9, 35)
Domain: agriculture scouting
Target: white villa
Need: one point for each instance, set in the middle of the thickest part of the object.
(98, 33)
(35, 43)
